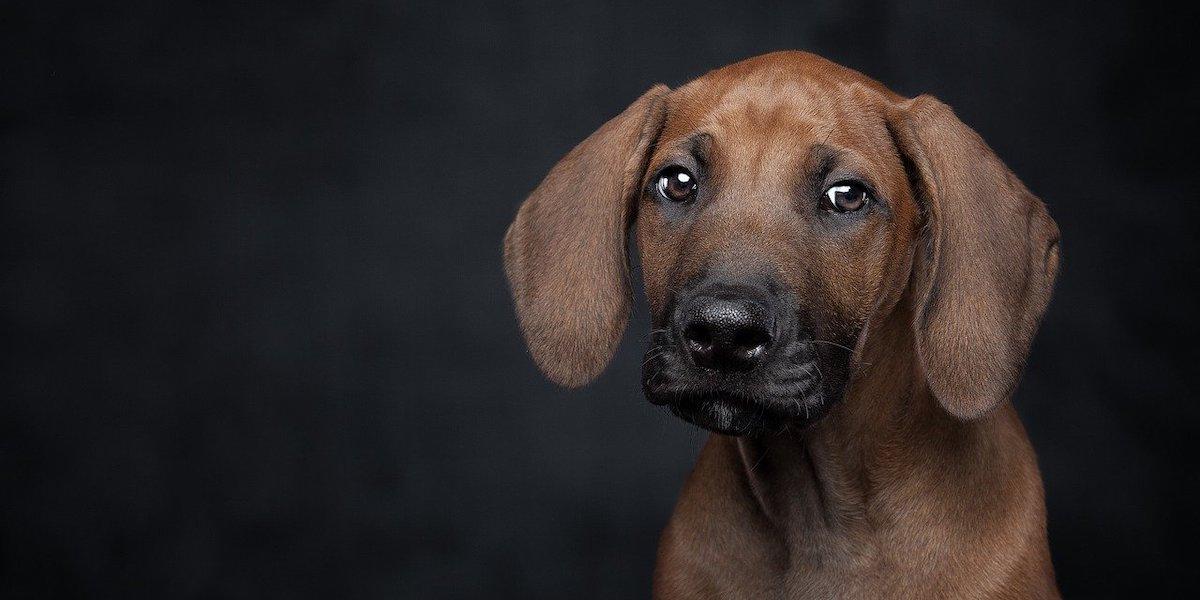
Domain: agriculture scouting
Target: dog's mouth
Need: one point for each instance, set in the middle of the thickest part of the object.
(793, 390)
(731, 414)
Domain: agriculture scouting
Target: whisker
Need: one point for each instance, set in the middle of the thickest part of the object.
(653, 354)
(654, 377)
(851, 350)
(807, 370)
(760, 458)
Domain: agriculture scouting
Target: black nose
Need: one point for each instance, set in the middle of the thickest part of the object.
(724, 334)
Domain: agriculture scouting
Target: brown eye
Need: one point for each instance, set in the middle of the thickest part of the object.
(676, 184)
(846, 196)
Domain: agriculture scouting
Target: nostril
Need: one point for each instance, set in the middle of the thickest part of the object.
(752, 339)
(698, 337)
(698, 334)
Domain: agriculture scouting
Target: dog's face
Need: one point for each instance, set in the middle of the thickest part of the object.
(772, 211)
(783, 206)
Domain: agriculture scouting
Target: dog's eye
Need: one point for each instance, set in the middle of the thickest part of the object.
(676, 184)
(846, 196)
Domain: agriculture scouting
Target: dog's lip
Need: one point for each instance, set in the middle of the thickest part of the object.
(728, 414)
(738, 415)
(680, 396)
(719, 397)
(752, 389)
(741, 407)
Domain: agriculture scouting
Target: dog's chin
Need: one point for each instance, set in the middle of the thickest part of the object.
(723, 413)
(736, 415)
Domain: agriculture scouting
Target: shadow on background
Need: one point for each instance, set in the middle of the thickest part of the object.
(259, 343)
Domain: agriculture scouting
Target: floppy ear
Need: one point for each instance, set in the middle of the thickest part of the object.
(986, 270)
(565, 252)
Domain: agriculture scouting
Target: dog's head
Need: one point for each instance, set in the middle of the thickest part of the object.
(784, 207)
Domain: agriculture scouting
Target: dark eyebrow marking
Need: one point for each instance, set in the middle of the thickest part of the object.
(699, 145)
(821, 160)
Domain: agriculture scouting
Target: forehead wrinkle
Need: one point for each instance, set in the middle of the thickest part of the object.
(764, 138)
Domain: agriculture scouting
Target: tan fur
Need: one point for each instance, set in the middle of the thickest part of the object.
(920, 482)
(565, 252)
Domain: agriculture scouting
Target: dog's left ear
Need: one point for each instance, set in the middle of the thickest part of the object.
(985, 268)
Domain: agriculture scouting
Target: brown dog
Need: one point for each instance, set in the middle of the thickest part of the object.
(843, 284)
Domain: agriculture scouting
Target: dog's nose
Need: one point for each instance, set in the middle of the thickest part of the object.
(724, 334)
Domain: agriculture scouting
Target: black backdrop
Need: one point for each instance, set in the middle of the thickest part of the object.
(258, 342)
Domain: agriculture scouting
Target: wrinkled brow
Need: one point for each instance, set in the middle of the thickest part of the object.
(699, 145)
(820, 161)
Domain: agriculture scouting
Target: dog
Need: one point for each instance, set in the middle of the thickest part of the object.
(843, 285)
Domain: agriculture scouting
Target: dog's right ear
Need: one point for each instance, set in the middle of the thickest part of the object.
(565, 252)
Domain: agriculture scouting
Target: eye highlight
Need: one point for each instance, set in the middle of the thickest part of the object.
(845, 196)
(676, 184)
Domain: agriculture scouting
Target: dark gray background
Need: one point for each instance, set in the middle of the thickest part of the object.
(259, 343)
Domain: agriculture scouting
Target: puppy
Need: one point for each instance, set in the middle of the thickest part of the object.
(843, 285)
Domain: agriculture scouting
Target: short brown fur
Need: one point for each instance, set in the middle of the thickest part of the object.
(920, 482)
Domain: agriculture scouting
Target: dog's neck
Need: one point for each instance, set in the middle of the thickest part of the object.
(886, 462)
